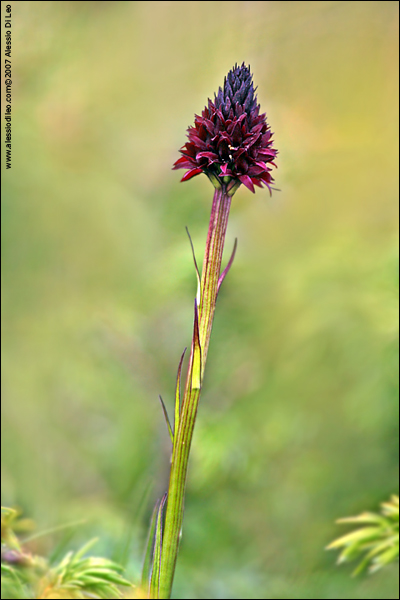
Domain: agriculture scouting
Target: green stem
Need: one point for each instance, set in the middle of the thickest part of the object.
(184, 430)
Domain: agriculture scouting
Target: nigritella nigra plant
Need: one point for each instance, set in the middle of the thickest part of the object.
(231, 143)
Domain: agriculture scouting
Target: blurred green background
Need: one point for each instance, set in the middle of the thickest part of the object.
(298, 423)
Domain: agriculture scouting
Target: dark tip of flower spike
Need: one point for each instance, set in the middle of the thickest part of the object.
(230, 142)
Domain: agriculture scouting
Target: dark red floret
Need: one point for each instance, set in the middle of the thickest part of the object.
(231, 141)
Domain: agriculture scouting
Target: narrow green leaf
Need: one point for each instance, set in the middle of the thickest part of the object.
(361, 567)
(385, 558)
(9, 513)
(361, 535)
(198, 294)
(196, 360)
(64, 564)
(365, 518)
(85, 548)
(351, 552)
(9, 520)
(6, 569)
(155, 575)
(108, 576)
(171, 435)
(99, 564)
(146, 570)
(84, 580)
(106, 591)
(178, 394)
(391, 509)
(377, 549)
(228, 266)
(51, 530)
(95, 590)
(11, 576)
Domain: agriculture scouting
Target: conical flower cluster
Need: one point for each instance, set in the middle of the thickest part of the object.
(231, 141)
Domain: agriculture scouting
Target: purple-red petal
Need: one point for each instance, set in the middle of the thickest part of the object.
(267, 152)
(256, 182)
(191, 173)
(210, 155)
(245, 179)
(182, 163)
(224, 168)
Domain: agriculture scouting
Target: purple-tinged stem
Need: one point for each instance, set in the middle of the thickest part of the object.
(212, 268)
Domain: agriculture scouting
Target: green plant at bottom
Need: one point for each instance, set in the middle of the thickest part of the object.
(377, 538)
(24, 575)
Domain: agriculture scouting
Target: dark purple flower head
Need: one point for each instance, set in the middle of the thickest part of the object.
(231, 142)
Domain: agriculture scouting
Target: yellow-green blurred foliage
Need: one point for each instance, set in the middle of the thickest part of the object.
(298, 420)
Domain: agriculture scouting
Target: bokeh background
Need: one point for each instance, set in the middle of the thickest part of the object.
(298, 423)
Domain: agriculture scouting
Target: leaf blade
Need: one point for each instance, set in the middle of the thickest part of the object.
(155, 574)
(196, 349)
(168, 422)
(228, 266)
(178, 394)
(147, 563)
(198, 294)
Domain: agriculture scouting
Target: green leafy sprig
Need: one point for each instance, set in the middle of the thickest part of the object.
(377, 538)
(25, 575)
(77, 576)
